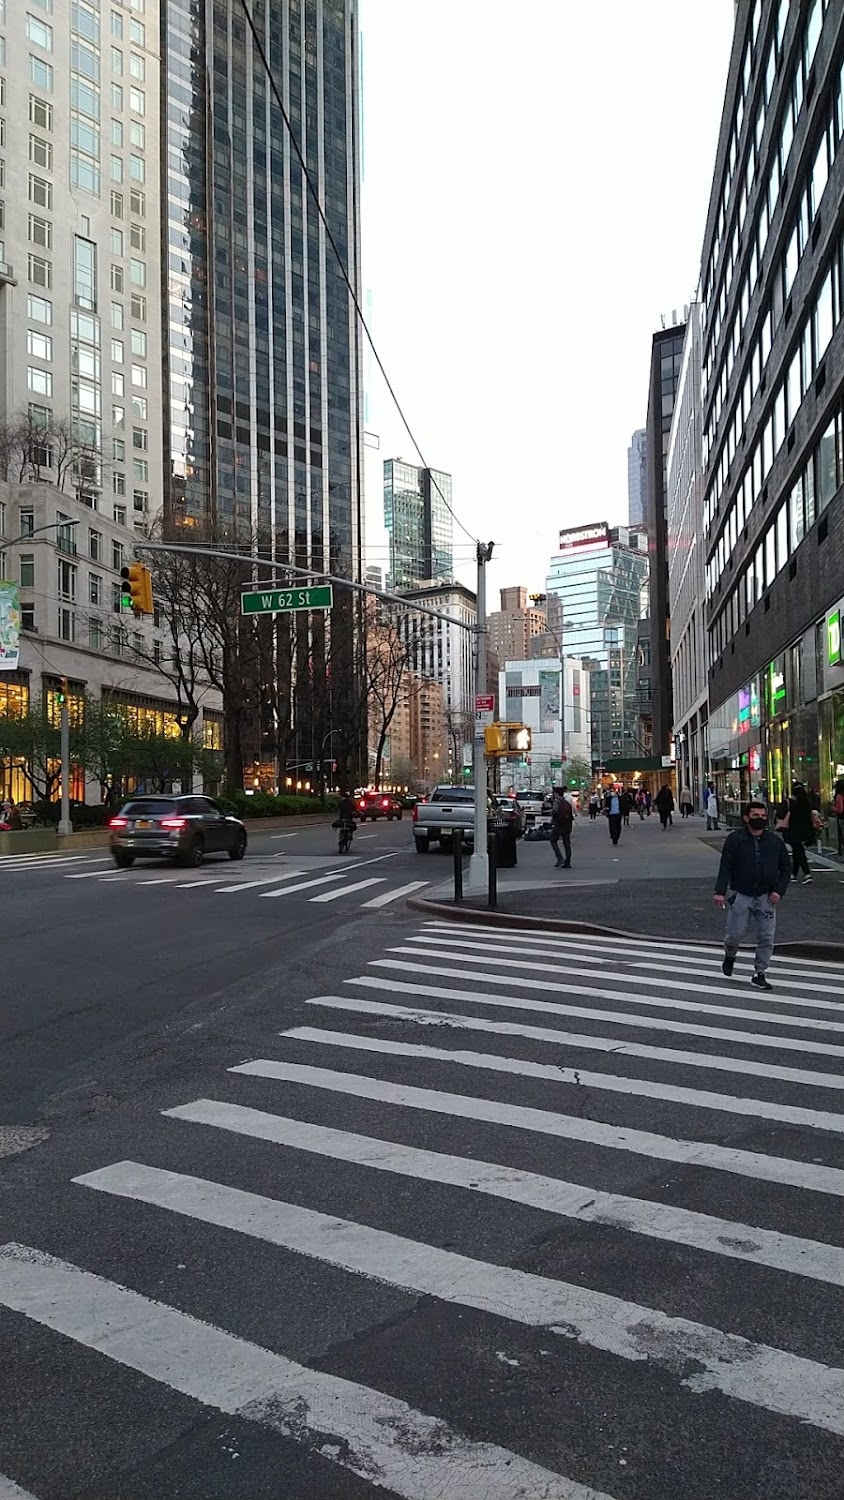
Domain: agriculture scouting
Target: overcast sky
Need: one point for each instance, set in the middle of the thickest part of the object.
(536, 181)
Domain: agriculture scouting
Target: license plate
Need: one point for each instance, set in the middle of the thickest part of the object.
(142, 823)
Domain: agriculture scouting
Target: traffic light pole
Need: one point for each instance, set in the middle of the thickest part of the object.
(478, 873)
(65, 825)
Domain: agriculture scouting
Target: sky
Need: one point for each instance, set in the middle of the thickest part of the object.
(535, 188)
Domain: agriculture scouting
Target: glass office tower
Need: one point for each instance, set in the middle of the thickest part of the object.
(420, 526)
(262, 346)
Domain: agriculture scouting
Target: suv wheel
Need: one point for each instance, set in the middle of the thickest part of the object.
(122, 858)
(238, 848)
(192, 856)
(422, 846)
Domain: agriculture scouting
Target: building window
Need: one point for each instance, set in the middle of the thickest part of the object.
(138, 33)
(85, 272)
(40, 112)
(39, 381)
(117, 241)
(39, 33)
(27, 617)
(139, 376)
(67, 624)
(27, 570)
(138, 272)
(118, 482)
(139, 439)
(39, 345)
(117, 314)
(137, 67)
(118, 450)
(117, 169)
(117, 278)
(95, 588)
(137, 168)
(117, 351)
(140, 470)
(118, 416)
(138, 307)
(84, 173)
(41, 152)
(116, 205)
(117, 61)
(40, 190)
(116, 598)
(139, 343)
(137, 134)
(117, 132)
(40, 271)
(138, 237)
(117, 556)
(67, 581)
(140, 501)
(117, 96)
(40, 232)
(137, 202)
(140, 408)
(120, 515)
(118, 385)
(96, 635)
(40, 73)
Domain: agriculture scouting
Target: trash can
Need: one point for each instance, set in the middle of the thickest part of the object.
(504, 835)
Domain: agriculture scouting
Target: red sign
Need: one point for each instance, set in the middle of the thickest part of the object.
(485, 703)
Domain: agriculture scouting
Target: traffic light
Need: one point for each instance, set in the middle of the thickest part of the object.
(136, 589)
(506, 739)
(61, 693)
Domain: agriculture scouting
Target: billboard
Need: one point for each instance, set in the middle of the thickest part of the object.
(549, 700)
(584, 536)
(10, 627)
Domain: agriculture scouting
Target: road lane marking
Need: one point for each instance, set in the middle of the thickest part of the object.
(612, 945)
(751, 1164)
(249, 885)
(376, 1436)
(759, 1374)
(680, 1226)
(612, 1083)
(661, 1002)
(189, 885)
(625, 978)
(403, 890)
(614, 1017)
(11, 1491)
(275, 836)
(347, 890)
(305, 885)
(718, 1063)
(647, 977)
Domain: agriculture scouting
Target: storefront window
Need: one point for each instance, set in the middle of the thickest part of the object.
(831, 758)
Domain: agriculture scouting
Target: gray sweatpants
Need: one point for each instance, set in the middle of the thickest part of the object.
(761, 912)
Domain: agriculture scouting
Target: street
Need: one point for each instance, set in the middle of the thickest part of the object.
(304, 1193)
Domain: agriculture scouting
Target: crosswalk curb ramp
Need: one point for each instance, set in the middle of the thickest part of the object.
(629, 1174)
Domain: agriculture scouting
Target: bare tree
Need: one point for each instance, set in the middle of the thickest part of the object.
(389, 651)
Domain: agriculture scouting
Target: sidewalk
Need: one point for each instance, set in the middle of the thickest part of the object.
(652, 883)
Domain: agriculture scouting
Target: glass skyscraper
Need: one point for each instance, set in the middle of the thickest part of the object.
(419, 523)
(262, 355)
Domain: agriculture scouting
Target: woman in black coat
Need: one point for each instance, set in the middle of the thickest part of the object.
(799, 831)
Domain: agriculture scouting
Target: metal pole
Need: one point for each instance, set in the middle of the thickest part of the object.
(479, 863)
(65, 825)
(457, 848)
(492, 890)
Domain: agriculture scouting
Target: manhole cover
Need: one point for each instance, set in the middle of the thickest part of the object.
(16, 1138)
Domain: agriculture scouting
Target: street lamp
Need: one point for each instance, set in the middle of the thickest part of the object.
(36, 530)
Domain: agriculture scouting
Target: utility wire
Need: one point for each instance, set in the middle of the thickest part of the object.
(352, 293)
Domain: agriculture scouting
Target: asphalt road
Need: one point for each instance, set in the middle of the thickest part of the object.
(331, 1202)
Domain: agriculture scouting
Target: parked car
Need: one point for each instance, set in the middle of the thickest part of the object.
(183, 829)
(447, 808)
(510, 811)
(378, 805)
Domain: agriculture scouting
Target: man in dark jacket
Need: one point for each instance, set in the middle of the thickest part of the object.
(562, 817)
(755, 866)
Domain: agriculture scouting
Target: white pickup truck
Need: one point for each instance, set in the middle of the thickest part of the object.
(447, 808)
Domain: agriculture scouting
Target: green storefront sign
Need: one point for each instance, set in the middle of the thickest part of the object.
(833, 638)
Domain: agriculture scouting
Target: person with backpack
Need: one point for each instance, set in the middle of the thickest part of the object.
(838, 810)
(562, 818)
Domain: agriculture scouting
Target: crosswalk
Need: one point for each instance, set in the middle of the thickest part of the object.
(508, 1214)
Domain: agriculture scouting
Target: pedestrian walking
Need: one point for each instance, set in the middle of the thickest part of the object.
(665, 806)
(686, 802)
(838, 809)
(562, 818)
(649, 801)
(641, 804)
(612, 808)
(594, 805)
(712, 824)
(626, 807)
(756, 869)
(796, 822)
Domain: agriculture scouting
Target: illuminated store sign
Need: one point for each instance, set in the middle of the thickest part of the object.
(833, 638)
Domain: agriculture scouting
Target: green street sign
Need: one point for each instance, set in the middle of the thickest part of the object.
(833, 636)
(277, 601)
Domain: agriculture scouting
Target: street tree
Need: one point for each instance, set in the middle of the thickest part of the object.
(389, 650)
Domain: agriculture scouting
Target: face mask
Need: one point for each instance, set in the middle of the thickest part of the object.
(756, 823)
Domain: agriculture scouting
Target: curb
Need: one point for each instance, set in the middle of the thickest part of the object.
(483, 917)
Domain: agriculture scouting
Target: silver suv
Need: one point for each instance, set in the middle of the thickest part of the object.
(184, 829)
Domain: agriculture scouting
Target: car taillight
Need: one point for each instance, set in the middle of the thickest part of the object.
(118, 822)
(174, 822)
(362, 802)
(385, 801)
(415, 813)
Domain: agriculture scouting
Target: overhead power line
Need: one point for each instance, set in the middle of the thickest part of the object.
(314, 192)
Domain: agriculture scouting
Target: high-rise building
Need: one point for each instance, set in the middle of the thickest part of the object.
(686, 568)
(172, 314)
(666, 360)
(594, 590)
(637, 478)
(419, 522)
(443, 651)
(773, 413)
(551, 697)
(511, 628)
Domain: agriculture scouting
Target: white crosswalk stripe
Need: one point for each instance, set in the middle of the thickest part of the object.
(266, 886)
(11, 1491)
(647, 1167)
